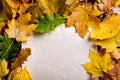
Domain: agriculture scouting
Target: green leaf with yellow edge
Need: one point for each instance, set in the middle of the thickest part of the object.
(3, 68)
(108, 28)
(109, 44)
(98, 64)
(22, 75)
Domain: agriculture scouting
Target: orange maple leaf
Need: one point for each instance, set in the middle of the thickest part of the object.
(83, 17)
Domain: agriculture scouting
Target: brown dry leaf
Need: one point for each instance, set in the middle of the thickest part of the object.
(20, 28)
(13, 73)
(22, 56)
(113, 74)
(82, 18)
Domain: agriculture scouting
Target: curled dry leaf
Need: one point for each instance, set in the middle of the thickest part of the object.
(113, 74)
(13, 73)
(22, 56)
(115, 54)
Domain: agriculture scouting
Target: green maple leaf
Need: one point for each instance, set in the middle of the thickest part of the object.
(49, 23)
(8, 47)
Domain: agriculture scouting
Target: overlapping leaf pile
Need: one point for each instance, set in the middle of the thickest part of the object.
(21, 18)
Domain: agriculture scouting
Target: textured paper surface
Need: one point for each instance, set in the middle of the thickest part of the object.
(58, 55)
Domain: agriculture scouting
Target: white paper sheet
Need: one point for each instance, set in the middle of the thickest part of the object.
(58, 55)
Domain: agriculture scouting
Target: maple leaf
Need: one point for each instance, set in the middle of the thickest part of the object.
(22, 75)
(109, 44)
(98, 65)
(108, 28)
(82, 18)
(8, 47)
(20, 28)
(3, 68)
(22, 56)
(49, 23)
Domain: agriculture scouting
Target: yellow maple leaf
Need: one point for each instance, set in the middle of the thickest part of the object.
(108, 28)
(22, 75)
(109, 44)
(82, 18)
(20, 28)
(22, 56)
(98, 64)
(3, 68)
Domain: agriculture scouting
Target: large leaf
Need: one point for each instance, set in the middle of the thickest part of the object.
(20, 28)
(98, 65)
(8, 47)
(109, 44)
(83, 17)
(108, 28)
(49, 23)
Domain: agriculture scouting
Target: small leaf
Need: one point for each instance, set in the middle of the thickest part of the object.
(49, 23)
(3, 68)
(22, 75)
(22, 56)
(98, 65)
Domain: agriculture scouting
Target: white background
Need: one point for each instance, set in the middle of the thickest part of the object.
(58, 55)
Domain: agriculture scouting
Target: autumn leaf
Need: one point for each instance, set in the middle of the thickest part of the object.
(82, 18)
(98, 65)
(108, 28)
(113, 74)
(8, 47)
(109, 44)
(3, 68)
(48, 23)
(13, 72)
(106, 4)
(115, 54)
(22, 56)
(20, 28)
(5, 12)
(22, 75)
(117, 3)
